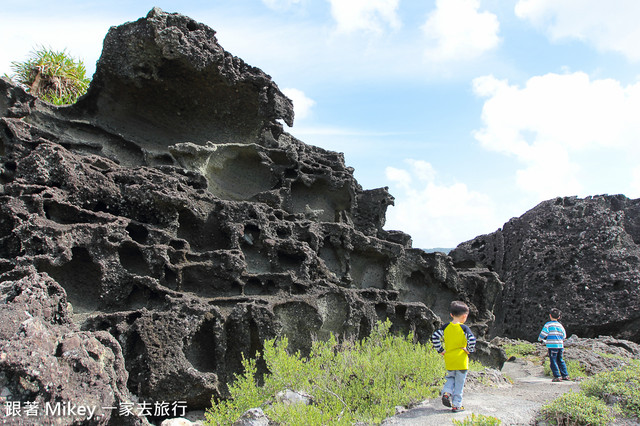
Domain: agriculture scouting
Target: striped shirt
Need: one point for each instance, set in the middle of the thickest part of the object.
(553, 335)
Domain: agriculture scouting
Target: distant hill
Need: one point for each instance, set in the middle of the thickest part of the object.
(440, 249)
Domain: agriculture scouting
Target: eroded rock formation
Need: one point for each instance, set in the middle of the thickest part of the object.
(580, 255)
(175, 225)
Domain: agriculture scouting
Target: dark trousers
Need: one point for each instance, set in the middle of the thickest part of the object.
(558, 367)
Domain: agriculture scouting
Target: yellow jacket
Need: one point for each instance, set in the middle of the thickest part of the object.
(453, 339)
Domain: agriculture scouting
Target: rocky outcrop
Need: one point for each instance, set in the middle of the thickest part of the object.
(175, 226)
(600, 354)
(594, 355)
(579, 255)
(47, 363)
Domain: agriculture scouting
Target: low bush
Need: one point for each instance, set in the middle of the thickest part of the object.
(619, 387)
(347, 381)
(478, 420)
(577, 409)
(522, 349)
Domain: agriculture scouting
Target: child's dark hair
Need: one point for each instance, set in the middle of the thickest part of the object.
(555, 313)
(458, 308)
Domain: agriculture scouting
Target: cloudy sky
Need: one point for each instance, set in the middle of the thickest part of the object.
(470, 111)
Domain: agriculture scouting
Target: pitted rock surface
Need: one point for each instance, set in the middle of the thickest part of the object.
(179, 226)
(579, 255)
(48, 362)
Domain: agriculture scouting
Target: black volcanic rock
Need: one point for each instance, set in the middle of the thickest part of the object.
(179, 226)
(579, 255)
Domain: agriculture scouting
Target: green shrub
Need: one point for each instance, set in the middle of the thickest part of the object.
(52, 76)
(476, 365)
(577, 409)
(621, 387)
(245, 394)
(348, 382)
(478, 420)
(519, 349)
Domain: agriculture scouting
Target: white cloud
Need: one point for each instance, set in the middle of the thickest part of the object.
(456, 30)
(555, 119)
(608, 25)
(400, 177)
(366, 15)
(301, 103)
(436, 215)
(549, 173)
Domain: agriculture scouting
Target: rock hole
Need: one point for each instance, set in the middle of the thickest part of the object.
(132, 259)
(254, 287)
(138, 232)
(101, 206)
(283, 232)
(6, 266)
(178, 244)
(203, 281)
(170, 277)
(290, 260)
(58, 353)
(204, 349)
(417, 288)
(192, 26)
(202, 235)
(381, 311)
(238, 173)
(66, 214)
(319, 201)
(142, 296)
(368, 269)
(251, 234)
(81, 278)
(330, 257)
(256, 261)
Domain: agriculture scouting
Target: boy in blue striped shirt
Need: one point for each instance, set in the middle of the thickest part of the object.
(553, 335)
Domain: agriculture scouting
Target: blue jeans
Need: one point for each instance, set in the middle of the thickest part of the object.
(558, 367)
(455, 385)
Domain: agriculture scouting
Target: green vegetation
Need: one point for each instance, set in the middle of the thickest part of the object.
(523, 349)
(577, 409)
(52, 76)
(478, 420)
(348, 381)
(601, 398)
(612, 356)
(620, 387)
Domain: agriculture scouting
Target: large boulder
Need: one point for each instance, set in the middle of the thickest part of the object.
(579, 255)
(49, 369)
(182, 226)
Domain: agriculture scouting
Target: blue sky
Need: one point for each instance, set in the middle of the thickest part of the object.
(470, 111)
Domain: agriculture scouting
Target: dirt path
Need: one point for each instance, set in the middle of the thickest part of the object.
(515, 404)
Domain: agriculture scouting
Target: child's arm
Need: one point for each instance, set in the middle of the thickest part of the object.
(471, 340)
(436, 339)
(543, 334)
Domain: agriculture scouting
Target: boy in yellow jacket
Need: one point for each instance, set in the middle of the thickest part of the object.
(455, 342)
